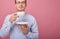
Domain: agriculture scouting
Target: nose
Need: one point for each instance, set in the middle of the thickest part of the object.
(20, 4)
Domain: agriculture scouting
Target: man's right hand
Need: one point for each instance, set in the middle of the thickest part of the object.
(13, 17)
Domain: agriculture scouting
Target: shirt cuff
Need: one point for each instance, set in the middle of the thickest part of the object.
(29, 35)
(10, 24)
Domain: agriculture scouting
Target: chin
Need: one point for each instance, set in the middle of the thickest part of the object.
(20, 10)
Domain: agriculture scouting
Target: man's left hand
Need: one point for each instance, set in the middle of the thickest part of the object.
(24, 28)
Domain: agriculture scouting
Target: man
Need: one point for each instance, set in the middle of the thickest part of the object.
(22, 32)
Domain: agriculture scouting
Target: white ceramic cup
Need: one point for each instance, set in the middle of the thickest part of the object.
(20, 13)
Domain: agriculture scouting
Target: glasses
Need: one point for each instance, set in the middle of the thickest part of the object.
(20, 2)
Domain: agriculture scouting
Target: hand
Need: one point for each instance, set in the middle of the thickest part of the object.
(24, 28)
(13, 17)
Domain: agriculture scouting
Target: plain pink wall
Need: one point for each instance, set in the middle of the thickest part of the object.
(47, 13)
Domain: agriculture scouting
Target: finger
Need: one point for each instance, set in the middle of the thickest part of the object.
(15, 16)
(26, 26)
(15, 13)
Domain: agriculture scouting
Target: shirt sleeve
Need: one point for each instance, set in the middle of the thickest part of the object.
(33, 34)
(5, 27)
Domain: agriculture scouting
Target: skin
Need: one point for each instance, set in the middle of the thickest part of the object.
(20, 6)
(24, 28)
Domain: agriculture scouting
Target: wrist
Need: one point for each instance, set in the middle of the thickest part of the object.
(10, 21)
(26, 33)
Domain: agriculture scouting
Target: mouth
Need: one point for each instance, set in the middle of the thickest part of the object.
(20, 6)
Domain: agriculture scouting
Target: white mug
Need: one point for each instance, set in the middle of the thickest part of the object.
(20, 13)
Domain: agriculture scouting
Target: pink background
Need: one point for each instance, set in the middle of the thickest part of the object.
(47, 13)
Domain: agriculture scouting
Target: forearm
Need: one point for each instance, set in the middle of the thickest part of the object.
(5, 29)
(32, 35)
